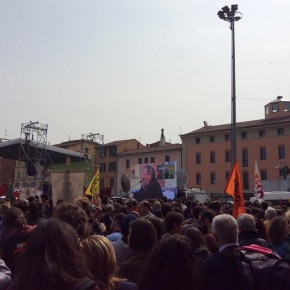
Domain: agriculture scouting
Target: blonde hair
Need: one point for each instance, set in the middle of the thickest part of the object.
(101, 261)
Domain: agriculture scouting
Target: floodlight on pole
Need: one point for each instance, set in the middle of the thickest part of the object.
(232, 15)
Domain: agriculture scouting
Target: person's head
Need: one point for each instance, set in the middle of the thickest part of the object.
(142, 235)
(246, 222)
(144, 208)
(101, 260)
(110, 210)
(264, 205)
(172, 264)
(277, 231)
(125, 226)
(117, 221)
(225, 228)
(215, 206)
(206, 218)
(23, 204)
(157, 205)
(166, 207)
(196, 210)
(14, 219)
(85, 204)
(158, 225)
(173, 222)
(270, 213)
(44, 198)
(148, 173)
(52, 258)
(75, 216)
(196, 237)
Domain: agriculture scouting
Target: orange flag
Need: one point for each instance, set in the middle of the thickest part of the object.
(234, 188)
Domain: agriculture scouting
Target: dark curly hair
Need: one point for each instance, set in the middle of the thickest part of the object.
(75, 216)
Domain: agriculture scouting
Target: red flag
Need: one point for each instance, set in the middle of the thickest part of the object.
(234, 188)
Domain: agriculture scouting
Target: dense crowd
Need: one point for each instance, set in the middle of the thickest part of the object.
(127, 245)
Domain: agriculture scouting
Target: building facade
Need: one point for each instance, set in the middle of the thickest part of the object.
(107, 159)
(207, 151)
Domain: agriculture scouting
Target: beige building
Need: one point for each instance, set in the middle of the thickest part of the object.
(108, 162)
(207, 151)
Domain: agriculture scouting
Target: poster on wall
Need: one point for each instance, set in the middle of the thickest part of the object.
(153, 180)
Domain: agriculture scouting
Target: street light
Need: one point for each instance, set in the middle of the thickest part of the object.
(232, 15)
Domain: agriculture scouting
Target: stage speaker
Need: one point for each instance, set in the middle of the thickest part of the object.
(30, 167)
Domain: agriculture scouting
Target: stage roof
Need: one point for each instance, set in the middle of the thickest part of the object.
(18, 149)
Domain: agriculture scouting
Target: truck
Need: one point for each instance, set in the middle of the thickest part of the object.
(275, 197)
(194, 193)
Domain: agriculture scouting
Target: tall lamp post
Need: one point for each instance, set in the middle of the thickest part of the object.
(232, 15)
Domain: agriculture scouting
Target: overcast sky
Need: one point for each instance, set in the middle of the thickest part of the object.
(126, 69)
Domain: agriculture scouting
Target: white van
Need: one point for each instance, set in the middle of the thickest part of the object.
(197, 194)
(274, 197)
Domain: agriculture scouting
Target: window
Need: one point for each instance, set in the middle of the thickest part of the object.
(281, 152)
(244, 135)
(264, 174)
(112, 166)
(287, 107)
(227, 137)
(102, 167)
(113, 151)
(212, 157)
(152, 159)
(212, 178)
(198, 178)
(197, 158)
(167, 158)
(227, 175)
(102, 152)
(263, 153)
(139, 160)
(227, 156)
(245, 157)
(127, 163)
(267, 110)
(211, 139)
(197, 140)
(101, 182)
(275, 107)
(112, 182)
(262, 133)
(280, 131)
(245, 180)
(146, 160)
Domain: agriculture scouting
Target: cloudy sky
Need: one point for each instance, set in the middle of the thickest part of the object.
(127, 68)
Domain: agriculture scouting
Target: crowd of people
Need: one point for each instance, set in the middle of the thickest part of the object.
(154, 244)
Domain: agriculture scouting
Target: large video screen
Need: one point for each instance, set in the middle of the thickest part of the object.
(153, 180)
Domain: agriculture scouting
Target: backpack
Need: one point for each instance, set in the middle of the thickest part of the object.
(84, 284)
(267, 270)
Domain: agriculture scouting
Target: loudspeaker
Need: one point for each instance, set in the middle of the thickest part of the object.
(30, 167)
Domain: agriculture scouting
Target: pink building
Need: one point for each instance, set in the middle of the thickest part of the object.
(207, 151)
